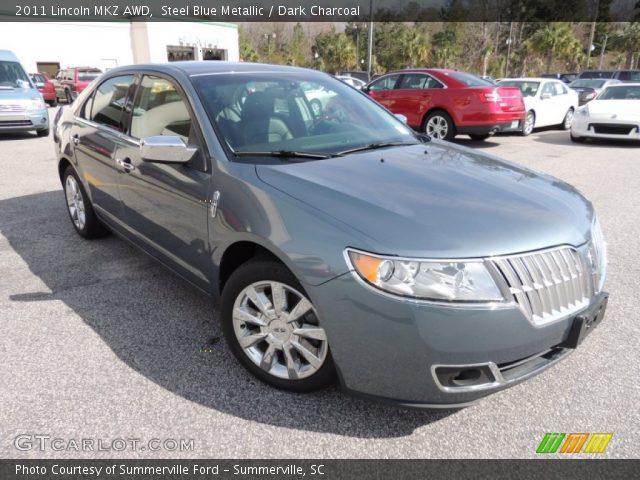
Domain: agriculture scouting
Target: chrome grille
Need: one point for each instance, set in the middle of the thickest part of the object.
(547, 285)
(12, 108)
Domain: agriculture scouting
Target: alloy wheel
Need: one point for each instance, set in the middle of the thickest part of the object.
(75, 202)
(529, 123)
(568, 119)
(437, 127)
(277, 328)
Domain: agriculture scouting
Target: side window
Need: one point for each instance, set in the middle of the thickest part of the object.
(548, 88)
(385, 83)
(413, 82)
(109, 102)
(433, 83)
(159, 109)
(560, 89)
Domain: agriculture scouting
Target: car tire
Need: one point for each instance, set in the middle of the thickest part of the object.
(43, 133)
(68, 97)
(270, 350)
(479, 138)
(438, 124)
(53, 103)
(529, 124)
(577, 139)
(568, 120)
(79, 207)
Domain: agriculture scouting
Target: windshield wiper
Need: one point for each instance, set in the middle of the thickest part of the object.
(376, 146)
(285, 154)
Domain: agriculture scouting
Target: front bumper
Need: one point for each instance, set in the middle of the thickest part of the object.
(388, 349)
(585, 127)
(24, 121)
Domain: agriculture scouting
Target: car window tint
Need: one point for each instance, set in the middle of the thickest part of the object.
(548, 88)
(413, 81)
(109, 102)
(159, 110)
(385, 83)
(560, 88)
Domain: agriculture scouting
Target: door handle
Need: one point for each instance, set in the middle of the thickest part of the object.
(126, 164)
(75, 139)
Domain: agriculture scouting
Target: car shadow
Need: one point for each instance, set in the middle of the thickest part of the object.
(478, 144)
(563, 138)
(17, 136)
(166, 330)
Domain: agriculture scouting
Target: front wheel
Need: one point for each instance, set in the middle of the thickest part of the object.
(439, 125)
(272, 328)
(568, 120)
(69, 97)
(529, 123)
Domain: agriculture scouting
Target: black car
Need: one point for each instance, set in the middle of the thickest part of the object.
(622, 75)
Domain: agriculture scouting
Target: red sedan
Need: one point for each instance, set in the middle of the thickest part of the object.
(45, 87)
(445, 103)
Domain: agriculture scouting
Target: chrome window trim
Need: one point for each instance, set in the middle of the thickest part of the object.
(109, 130)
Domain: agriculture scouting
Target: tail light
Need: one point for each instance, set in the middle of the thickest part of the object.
(492, 96)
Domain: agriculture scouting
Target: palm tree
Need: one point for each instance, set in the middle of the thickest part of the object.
(417, 48)
(554, 40)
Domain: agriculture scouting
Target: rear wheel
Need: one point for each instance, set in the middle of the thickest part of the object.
(568, 120)
(272, 328)
(68, 96)
(439, 125)
(529, 123)
(79, 207)
(54, 102)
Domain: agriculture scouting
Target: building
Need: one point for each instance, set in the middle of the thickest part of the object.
(49, 46)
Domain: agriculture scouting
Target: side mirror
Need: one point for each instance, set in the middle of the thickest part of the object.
(166, 149)
(365, 88)
(545, 96)
(402, 118)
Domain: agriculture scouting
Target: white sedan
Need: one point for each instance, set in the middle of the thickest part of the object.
(614, 114)
(547, 101)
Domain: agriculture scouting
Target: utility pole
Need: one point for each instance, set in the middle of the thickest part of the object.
(509, 42)
(370, 64)
(604, 46)
(590, 46)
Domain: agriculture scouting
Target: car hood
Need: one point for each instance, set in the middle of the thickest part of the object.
(438, 200)
(621, 108)
(13, 94)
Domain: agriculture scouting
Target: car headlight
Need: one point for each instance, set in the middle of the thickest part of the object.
(597, 255)
(446, 280)
(583, 111)
(36, 103)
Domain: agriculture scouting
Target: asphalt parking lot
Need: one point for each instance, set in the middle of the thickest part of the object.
(99, 342)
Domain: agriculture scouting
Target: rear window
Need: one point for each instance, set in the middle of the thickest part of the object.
(38, 78)
(597, 74)
(528, 89)
(13, 76)
(629, 76)
(470, 80)
(587, 83)
(88, 75)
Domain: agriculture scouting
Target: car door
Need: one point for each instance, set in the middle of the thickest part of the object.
(564, 100)
(547, 107)
(97, 135)
(382, 90)
(414, 95)
(166, 204)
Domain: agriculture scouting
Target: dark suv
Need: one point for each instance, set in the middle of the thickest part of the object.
(69, 82)
(622, 75)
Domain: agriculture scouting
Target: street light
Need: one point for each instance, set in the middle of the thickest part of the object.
(269, 36)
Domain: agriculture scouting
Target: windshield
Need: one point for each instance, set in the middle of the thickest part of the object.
(37, 78)
(470, 80)
(528, 89)
(630, 92)
(587, 83)
(88, 75)
(12, 76)
(264, 112)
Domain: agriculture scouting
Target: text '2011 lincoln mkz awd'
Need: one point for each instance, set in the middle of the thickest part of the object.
(342, 246)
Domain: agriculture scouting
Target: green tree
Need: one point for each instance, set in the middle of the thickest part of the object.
(336, 51)
(445, 46)
(247, 52)
(554, 40)
(296, 48)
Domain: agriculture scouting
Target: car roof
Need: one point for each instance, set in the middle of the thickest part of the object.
(8, 56)
(193, 68)
(624, 84)
(530, 79)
